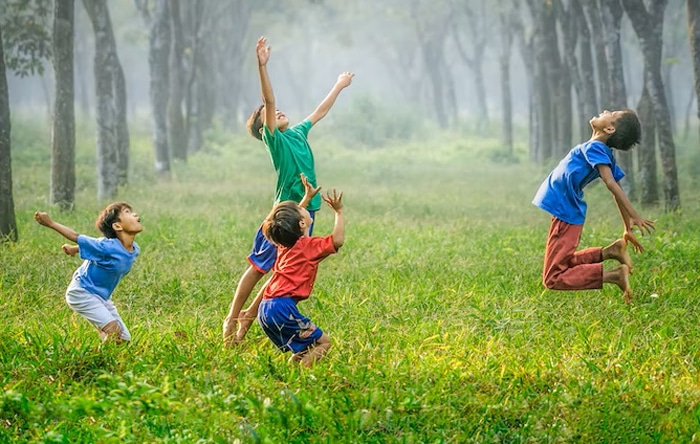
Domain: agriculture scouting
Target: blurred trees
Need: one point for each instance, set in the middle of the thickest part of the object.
(24, 45)
(110, 93)
(63, 131)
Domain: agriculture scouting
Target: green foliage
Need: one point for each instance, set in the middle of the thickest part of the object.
(26, 35)
(368, 123)
(441, 329)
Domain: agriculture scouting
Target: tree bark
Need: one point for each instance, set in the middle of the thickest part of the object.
(693, 8)
(176, 122)
(506, 23)
(158, 63)
(107, 151)
(8, 224)
(587, 98)
(595, 27)
(648, 26)
(648, 184)
(611, 16)
(63, 140)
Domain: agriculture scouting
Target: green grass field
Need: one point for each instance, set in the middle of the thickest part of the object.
(441, 328)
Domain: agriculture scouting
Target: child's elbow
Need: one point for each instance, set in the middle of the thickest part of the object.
(338, 242)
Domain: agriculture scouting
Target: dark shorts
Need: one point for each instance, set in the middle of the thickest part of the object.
(282, 323)
(264, 253)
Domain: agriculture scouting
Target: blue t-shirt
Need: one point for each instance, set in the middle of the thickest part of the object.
(106, 262)
(291, 155)
(561, 194)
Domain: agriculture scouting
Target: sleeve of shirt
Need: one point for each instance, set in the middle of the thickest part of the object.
(320, 247)
(597, 153)
(90, 248)
(303, 128)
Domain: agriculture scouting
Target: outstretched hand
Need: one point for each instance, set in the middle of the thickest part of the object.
(334, 199)
(309, 190)
(263, 51)
(43, 218)
(645, 226)
(345, 79)
(631, 239)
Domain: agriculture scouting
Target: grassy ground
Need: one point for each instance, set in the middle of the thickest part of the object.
(441, 328)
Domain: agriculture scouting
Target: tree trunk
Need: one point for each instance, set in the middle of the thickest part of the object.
(158, 61)
(647, 151)
(693, 7)
(595, 27)
(107, 152)
(587, 99)
(648, 26)
(611, 16)
(8, 224)
(176, 123)
(63, 140)
(505, 21)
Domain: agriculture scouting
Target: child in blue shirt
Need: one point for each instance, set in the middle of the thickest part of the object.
(561, 195)
(106, 261)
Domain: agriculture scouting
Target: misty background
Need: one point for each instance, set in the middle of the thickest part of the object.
(314, 41)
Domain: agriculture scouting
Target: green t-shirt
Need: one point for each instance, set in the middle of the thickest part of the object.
(291, 155)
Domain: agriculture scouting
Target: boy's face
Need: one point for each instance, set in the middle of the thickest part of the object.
(605, 121)
(129, 221)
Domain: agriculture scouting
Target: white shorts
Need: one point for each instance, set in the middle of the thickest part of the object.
(99, 312)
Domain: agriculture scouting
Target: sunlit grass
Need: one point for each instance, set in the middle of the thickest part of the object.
(441, 328)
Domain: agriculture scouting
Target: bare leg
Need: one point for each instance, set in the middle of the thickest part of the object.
(248, 316)
(316, 352)
(245, 286)
(620, 277)
(618, 251)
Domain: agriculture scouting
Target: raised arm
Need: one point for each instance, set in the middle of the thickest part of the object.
(630, 217)
(335, 201)
(263, 51)
(309, 191)
(45, 220)
(344, 80)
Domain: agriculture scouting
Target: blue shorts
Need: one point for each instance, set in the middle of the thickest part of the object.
(283, 324)
(264, 253)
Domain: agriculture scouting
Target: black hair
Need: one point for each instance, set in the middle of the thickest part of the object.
(109, 216)
(281, 226)
(628, 131)
(255, 122)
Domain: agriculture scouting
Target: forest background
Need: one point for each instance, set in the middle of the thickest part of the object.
(441, 328)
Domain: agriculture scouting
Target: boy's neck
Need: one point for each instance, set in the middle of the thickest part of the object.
(127, 240)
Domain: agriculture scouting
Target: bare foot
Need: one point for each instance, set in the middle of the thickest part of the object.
(245, 320)
(618, 251)
(230, 325)
(620, 277)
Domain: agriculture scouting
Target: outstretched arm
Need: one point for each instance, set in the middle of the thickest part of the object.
(630, 217)
(335, 201)
(45, 220)
(263, 51)
(344, 80)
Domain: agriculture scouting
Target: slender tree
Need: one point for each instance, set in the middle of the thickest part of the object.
(693, 8)
(63, 140)
(648, 25)
(611, 18)
(24, 45)
(8, 224)
(158, 63)
(107, 152)
(506, 19)
(176, 122)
